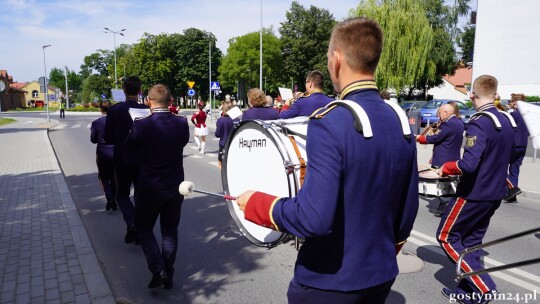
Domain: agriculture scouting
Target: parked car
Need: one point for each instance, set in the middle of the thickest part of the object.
(411, 105)
(429, 111)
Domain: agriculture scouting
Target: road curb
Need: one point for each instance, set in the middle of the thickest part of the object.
(96, 282)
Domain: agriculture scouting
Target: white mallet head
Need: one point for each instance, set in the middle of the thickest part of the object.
(186, 188)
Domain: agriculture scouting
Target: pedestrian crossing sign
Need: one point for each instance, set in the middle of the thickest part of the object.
(215, 86)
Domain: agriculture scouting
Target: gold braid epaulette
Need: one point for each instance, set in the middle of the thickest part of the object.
(319, 113)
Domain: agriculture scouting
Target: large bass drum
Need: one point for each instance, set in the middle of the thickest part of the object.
(267, 156)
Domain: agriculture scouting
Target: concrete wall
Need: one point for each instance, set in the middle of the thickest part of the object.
(507, 45)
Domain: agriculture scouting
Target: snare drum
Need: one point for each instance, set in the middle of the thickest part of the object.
(261, 155)
(431, 184)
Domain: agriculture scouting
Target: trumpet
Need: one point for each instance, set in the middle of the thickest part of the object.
(298, 96)
(431, 129)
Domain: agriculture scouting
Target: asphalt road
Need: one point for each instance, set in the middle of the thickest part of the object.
(216, 264)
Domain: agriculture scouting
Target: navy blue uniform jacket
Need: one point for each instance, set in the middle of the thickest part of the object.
(484, 164)
(117, 128)
(224, 125)
(97, 133)
(359, 199)
(447, 143)
(521, 138)
(305, 106)
(159, 139)
(261, 113)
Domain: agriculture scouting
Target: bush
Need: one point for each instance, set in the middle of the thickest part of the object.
(84, 108)
(532, 98)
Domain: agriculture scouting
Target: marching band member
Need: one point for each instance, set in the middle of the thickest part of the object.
(314, 99)
(521, 139)
(104, 157)
(224, 125)
(126, 165)
(201, 130)
(158, 139)
(483, 168)
(447, 140)
(257, 99)
(353, 218)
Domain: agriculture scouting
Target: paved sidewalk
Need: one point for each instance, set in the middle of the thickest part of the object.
(45, 253)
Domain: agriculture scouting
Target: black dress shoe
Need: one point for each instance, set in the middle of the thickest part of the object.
(156, 281)
(114, 206)
(109, 205)
(165, 279)
(512, 193)
(131, 234)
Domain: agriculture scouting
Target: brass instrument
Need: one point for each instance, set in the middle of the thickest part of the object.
(298, 96)
(431, 129)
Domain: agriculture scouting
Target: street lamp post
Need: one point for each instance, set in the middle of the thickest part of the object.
(45, 88)
(107, 30)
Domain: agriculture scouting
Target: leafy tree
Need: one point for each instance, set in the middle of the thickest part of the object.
(305, 36)
(97, 62)
(408, 38)
(175, 59)
(57, 78)
(95, 85)
(242, 61)
(466, 44)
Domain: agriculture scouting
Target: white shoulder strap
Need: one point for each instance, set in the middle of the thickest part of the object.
(402, 117)
(493, 118)
(512, 121)
(361, 120)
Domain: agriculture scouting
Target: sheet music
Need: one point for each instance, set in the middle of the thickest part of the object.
(137, 113)
(234, 112)
(531, 116)
(285, 93)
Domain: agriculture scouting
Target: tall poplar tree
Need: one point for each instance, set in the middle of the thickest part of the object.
(408, 38)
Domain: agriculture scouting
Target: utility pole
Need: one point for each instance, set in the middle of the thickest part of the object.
(67, 90)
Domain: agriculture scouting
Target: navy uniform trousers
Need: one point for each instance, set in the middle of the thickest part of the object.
(515, 163)
(106, 177)
(125, 174)
(300, 294)
(147, 210)
(463, 225)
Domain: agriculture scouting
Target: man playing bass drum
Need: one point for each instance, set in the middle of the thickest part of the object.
(359, 198)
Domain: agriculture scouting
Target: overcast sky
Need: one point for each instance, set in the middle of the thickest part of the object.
(74, 28)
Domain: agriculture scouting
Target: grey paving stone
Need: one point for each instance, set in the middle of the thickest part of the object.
(37, 290)
(51, 294)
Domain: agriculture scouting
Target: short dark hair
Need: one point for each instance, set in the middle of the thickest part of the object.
(316, 78)
(132, 85)
(104, 106)
(361, 41)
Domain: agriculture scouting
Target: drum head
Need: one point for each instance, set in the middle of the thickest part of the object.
(253, 159)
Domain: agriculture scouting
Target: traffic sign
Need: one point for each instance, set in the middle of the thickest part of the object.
(215, 86)
(52, 97)
(191, 84)
(103, 96)
(191, 92)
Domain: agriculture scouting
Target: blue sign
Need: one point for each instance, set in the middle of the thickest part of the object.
(103, 96)
(215, 86)
(52, 97)
(191, 92)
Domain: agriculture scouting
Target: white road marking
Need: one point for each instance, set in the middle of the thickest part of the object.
(89, 125)
(196, 156)
(487, 260)
(214, 163)
(60, 126)
(76, 126)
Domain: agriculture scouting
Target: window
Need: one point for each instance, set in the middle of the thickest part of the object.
(35, 94)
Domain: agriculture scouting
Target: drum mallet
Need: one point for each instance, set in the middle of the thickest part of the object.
(187, 188)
